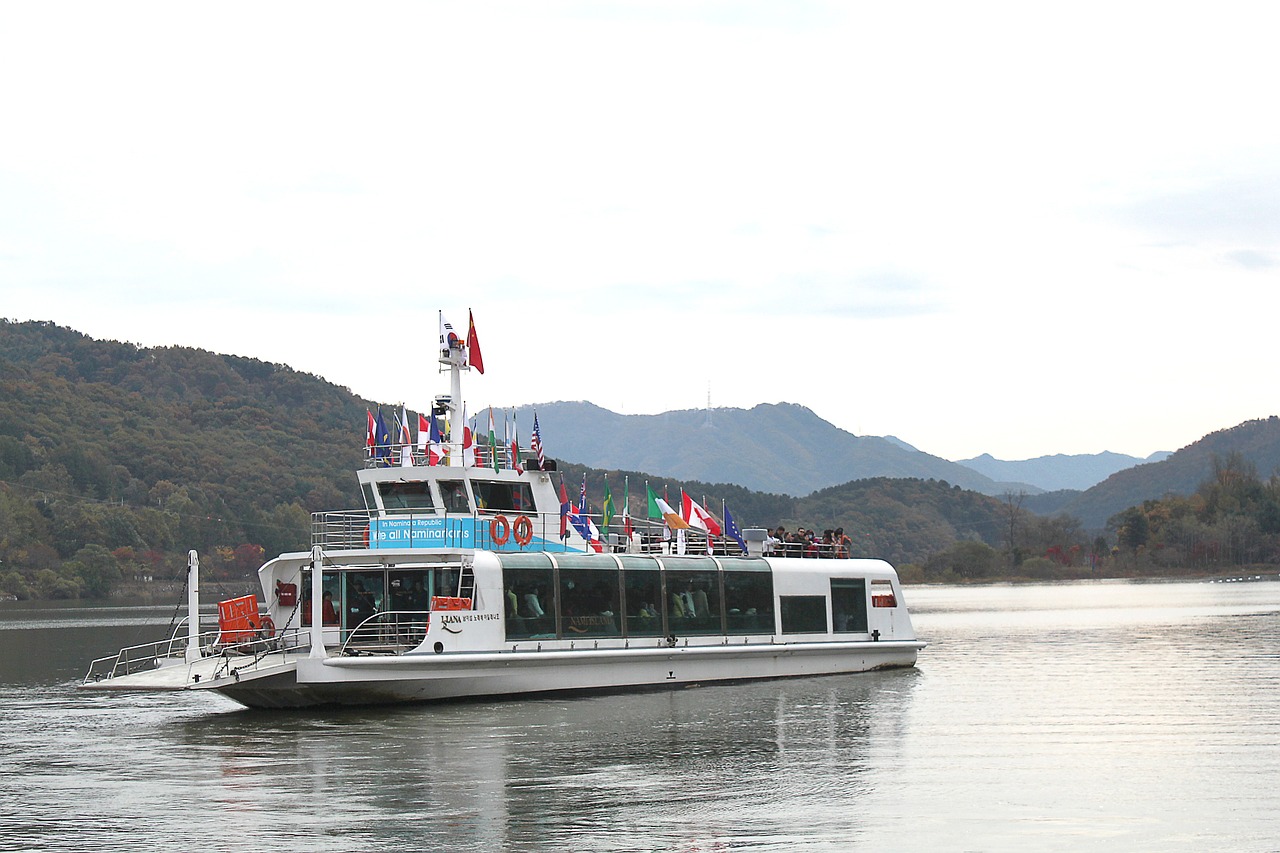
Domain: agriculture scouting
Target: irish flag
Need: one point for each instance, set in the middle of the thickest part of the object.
(660, 508)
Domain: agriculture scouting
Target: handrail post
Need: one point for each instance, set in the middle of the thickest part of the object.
(193, 607)
(317, 605)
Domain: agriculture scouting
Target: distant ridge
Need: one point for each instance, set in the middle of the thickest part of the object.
(1060, 471)
(773, 447)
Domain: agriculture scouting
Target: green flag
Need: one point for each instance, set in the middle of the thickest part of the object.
(493, 440)
(654, 511)
(606, 512)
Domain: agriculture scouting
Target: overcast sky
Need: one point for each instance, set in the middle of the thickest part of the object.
(1006, 228)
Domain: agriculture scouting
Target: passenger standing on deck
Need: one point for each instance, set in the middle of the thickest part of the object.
(844, 544)
(360, 606)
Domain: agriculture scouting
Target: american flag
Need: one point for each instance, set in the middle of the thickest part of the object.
(536, 442)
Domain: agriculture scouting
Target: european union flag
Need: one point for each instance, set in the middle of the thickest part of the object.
(382, 439)
(731, 530)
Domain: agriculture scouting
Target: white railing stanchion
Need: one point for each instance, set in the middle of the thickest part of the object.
(193, 607)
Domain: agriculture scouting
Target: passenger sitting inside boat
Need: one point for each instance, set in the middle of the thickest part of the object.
(328, 613)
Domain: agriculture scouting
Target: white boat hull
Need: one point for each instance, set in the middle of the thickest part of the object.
(427, 677)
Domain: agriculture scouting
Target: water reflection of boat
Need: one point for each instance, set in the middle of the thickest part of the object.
(466, 574)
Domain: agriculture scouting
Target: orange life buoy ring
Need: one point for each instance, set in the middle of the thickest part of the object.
(267, 627)
(366, 536)
(499, 529)
(523, 531)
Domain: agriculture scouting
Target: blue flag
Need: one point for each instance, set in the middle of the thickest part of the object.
(382, 439)
(731, 530)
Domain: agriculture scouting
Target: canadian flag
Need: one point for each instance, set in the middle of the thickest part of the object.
(698, 517)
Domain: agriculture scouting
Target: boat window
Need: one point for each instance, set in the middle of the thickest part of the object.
(362, 596)
(410, 590)
(502, 496)
(688, 564)
(586, 561)
(642, 588)
(744, 564)
(804, 614)
(525, 560)
(448, 581)
(849, 605)
(882, 594)
(405, 497)
(529, 594)
(589, 601)
(453, 494)
(693, 600)
(370, 503)
(331, 591)
(748, 598)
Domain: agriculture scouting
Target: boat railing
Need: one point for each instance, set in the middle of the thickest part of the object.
(507, 530)
(389, 456)
(173, 651)
(391, 632)
(341, 529)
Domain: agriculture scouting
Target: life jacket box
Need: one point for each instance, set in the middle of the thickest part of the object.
(238, 619)
(286, 593)
(445, 602)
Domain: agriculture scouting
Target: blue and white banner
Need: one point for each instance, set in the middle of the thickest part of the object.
(462, 532)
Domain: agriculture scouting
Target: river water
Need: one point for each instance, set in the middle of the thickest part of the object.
(1094, 716)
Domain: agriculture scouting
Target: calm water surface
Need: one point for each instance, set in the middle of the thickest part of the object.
(1107, 716)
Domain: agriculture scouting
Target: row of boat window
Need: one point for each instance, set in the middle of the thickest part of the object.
(417, 497)
(639, 599)
(579, 596)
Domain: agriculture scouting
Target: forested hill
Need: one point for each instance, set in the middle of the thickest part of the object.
(1257, 442)
(151, 451)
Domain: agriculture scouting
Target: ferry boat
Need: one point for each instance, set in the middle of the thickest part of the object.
(467, 574)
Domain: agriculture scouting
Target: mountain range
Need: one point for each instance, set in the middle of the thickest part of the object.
(786, 448)
(1060, 471)
(772, 447)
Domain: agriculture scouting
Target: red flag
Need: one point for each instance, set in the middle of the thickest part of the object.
(370, 441)
(564, 511)
(473, 344)
(515, 446)
(698, 517)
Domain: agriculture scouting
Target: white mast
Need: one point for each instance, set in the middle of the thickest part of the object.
(193, 607)
(453, 352)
